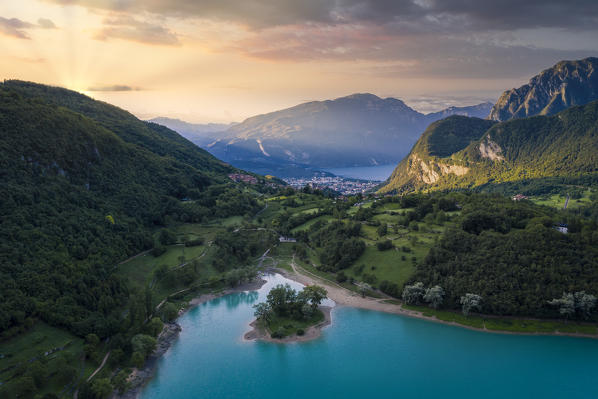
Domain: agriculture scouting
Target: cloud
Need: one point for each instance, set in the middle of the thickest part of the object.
(408, 55)
(114, 88)
(15, 27)
(45, 23)
(482, 15)
(410, 38)
(128, 28)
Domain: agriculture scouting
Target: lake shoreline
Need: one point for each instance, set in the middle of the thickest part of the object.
(312, 332)
(345, 297)
(169, 334)
(341, 296)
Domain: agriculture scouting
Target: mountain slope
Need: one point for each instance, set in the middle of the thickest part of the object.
(474, 111)
(553, 90)
(357, 130)
(200, 134)
(83, 186)
(564, 144)
(429, 160)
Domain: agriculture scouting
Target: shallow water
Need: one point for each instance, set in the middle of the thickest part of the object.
(377, 173)
(366, 354)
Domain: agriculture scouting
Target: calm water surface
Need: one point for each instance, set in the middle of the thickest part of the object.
(378, 173)
(366, 354)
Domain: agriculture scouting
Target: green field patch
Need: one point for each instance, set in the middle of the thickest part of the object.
(515, 325)
(451, 317)
(384, 265)
(309, 211)
(139, 271)
(305, 226)
(42, 342)
(558, 200)
(387, 218)
(390, 206)
(288, 326)
(279, 198)
(369, 232)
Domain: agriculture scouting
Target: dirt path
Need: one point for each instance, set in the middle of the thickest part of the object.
(135, 256)
(99, 368)
(262, 211)
(263, 257)
(196, 258)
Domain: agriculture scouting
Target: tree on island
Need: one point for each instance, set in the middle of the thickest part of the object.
(284, 301)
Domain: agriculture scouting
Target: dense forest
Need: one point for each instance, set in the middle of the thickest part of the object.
(84, 186)
(511, 254)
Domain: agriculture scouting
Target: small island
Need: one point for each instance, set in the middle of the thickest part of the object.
(288, 315)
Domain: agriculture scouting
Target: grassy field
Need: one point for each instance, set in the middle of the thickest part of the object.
(44, 343)
(288, 326)
(507, 324)
(385, 265)
(558, 200)
(395, 265)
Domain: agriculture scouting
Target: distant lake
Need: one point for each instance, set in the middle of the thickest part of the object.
(378, 173)
(366, 354)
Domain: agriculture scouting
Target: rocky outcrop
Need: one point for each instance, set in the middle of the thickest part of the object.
(491, 150)
(431, 170)
(566, 84)
(432, 157)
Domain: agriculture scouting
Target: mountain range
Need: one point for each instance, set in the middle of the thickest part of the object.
(356, 130)
(535, 141)
(201, 134)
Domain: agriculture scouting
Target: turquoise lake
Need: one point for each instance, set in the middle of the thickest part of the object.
(366, 354)
(377, 173)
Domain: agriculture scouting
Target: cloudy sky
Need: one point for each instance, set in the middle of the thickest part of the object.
(224, 60)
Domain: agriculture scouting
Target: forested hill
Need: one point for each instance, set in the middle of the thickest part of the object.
(84, 185)
(151, 136)
(562, 145)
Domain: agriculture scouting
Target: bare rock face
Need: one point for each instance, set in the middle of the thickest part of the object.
(566, 84)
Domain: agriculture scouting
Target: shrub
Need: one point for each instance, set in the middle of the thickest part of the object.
(158, 250)
(341, 277)
(300, 332)
(277, 334)
(384, 245)
(194, 243)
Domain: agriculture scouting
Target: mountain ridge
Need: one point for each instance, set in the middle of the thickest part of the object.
(565, 84)
(360, 129)
(559, 145)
